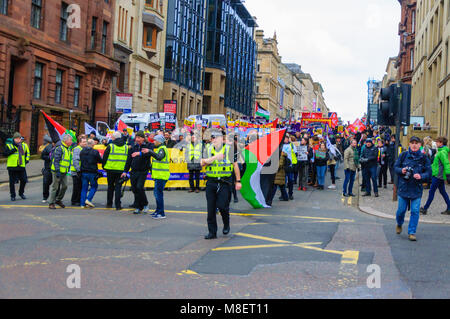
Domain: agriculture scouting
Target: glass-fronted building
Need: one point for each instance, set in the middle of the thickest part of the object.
(184, 61)
(230, 47)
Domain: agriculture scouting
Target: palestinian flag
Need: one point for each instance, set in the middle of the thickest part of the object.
(56, 130)
(261, 112)
(256, 155)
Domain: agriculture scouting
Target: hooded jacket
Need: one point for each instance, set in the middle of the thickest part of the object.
(441, 160)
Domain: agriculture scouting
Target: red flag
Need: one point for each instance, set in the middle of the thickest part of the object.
(121, 126)
(55, 130)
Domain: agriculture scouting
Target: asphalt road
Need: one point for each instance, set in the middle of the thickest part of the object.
(313, 247)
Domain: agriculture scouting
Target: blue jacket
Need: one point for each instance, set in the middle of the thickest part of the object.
(420, 164)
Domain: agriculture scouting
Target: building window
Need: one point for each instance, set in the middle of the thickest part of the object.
(150, 3)
(131, 32)
(36, 11)
(4, 7)
(413, 21)
(38, 76)
(93, 33)
(412, 60)
(76, 95)
(150, 86)
(58, 87)
(63, 29)
(149, 37)
(104, 36)
(141, 81)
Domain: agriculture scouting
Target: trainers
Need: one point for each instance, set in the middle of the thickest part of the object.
(145, 210)
(447, 212)
(412, 237)
(13, 199)
(398, 230)
(376, 195)
(89, 203)
(23, 196)
(300, 188)
(366, 194)
(159, 216)
(52, 206)
(44, 201)
(345, 195)
(423, 211)
(332, 187)
(137, 211)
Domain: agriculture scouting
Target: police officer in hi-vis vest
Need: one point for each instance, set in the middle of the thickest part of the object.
(194, 150)
(114, 160)
(18, 155)
(220, 163)
(61, 159)
(160, 174)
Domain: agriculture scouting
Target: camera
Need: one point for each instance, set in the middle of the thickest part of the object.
(123, 180)
(409, 173)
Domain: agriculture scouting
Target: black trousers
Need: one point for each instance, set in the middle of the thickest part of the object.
(46, 182)
(382, 175)
(19, 175)
(194, 174)
(114, 189)
(218, 196)
(137, 180)
(333, 173)
(76, 191)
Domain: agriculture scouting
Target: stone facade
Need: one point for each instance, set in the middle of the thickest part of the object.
(407, 33)
(142, 70)
(430, 78)
(67, 74)
(268, 87)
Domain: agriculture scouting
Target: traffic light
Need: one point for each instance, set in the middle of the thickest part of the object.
(395, 103)
(388, 106)
(405, 105)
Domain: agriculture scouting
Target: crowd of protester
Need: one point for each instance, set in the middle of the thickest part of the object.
(304, 160)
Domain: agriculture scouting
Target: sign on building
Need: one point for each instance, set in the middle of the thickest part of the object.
(124, 102)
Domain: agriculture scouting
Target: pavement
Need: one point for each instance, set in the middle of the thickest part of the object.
(384, 206)
(319, 245)
(33, 168)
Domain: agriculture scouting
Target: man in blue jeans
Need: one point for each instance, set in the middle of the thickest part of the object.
(413, 168)
(89, 160)
(351, 165)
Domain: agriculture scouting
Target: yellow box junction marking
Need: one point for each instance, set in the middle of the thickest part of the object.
(348, 256)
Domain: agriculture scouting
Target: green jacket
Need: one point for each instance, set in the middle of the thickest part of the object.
(442, 156)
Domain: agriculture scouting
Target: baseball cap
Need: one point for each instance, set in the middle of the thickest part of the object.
(369, 140)
(415, 139)
(140, 134)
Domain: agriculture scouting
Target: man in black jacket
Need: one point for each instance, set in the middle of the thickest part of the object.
(46, 171)
(139, 163)
(368, 160)
(89, 159)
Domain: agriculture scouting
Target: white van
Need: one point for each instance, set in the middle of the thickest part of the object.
(138, 121)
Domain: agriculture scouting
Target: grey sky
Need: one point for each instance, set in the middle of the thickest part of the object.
(340, 43)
